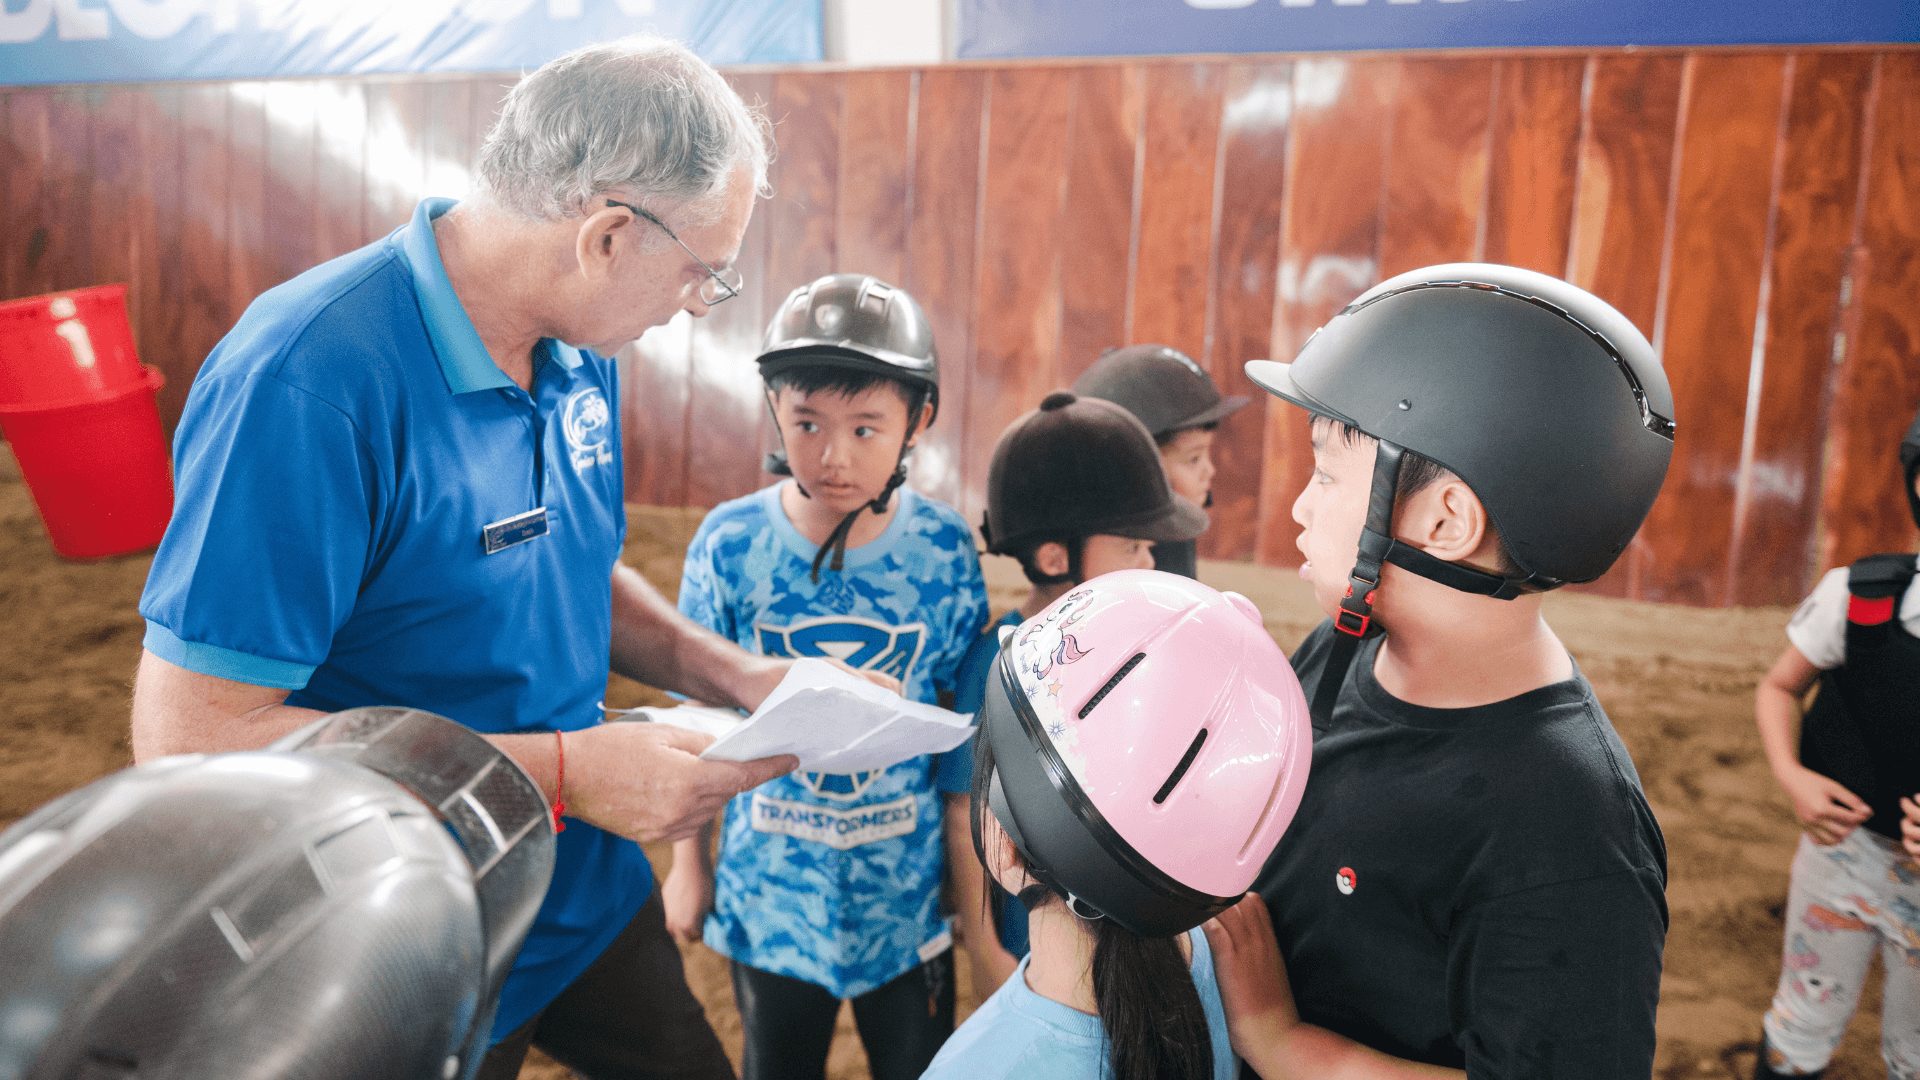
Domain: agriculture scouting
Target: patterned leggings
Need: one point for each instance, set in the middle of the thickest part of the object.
(1847, 901)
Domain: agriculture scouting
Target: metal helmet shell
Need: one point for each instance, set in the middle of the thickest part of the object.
(1549, 403)
(858, 322)
(1150, 745)
(283, 913)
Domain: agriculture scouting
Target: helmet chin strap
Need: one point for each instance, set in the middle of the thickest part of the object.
(1354, 619)
(836, 545)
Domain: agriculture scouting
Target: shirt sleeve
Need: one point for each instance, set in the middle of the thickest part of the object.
(275, 504)
(1560, 980)
(701, 596)
(1819, 627)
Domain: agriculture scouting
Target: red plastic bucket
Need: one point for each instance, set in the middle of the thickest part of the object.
(67, 347)
(98, 470)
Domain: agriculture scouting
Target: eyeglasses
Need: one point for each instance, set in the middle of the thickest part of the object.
(720, 284)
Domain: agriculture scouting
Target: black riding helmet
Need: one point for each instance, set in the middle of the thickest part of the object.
(856, 323)
(1076, 467)
(1546, 401)
(1910, 466)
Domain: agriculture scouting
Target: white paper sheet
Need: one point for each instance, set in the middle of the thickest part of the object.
(706, 719)
(835, 721)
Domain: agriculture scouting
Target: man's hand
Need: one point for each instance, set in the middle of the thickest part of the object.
(1825, 808)
(1253, 980)
(646, 782)
(1910, 825)
(770, 671)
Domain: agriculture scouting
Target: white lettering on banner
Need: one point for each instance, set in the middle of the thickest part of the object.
(76, 23)
(157, 19)
(26, 24)
(842, 829)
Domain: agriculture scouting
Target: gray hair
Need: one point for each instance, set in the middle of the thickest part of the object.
(643, 116)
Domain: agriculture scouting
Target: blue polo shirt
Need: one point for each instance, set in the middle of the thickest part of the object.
(341, 452)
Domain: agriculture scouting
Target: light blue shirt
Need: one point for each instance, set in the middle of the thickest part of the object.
(835, 879)
(1016, 1033)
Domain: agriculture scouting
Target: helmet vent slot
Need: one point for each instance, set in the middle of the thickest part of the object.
(1101, 694)
(1180, 770)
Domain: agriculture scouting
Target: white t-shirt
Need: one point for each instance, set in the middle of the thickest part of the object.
(1819, 628)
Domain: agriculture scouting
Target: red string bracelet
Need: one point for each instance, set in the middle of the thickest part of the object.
(559, 781)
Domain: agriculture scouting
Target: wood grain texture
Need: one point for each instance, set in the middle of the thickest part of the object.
(1879, 382)
(1329, 251)
(1777, 504)
(1018, 299)
(1173, 271)
(1437, 152)
(1534, 160)
(1617, 249)
(1101, 226)
(1722, 196)
(1256, 107)
(942, 238)
(205, 134)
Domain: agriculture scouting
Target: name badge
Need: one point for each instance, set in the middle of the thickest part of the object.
(517, 529)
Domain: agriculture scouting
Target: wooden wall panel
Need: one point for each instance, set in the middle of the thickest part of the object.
(1437, 146)
(1329, 250)
(1754, 211)
(1618, 244)
(1018, 304)
(1533, 162)
(1173, 271)
(1879, 389)
(1257, 103)
(1102, 223)
(942, 239)
(1721, 204)
(1777, 505)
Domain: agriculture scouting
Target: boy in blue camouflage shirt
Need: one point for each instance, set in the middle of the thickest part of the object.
(828, 887)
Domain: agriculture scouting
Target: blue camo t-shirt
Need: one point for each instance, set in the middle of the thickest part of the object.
(836, 879)
(1016, 1033)
(1010, 919)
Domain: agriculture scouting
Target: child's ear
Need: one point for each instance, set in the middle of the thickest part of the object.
(1448, 521)
(1051, 559)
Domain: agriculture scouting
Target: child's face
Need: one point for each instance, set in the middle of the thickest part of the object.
(842, 449)
(1104, 554)
(1331, 512)
(1188, 457)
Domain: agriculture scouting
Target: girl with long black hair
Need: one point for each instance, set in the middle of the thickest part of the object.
(1142, 747)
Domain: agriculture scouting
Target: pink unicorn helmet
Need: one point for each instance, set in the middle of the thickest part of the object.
(1149, 746)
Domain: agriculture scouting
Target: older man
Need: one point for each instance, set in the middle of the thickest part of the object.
(400, 483)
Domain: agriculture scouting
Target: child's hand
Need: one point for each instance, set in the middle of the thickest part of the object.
(687, 894)
(1910, 825)
(1824, 806)
(1253, 978)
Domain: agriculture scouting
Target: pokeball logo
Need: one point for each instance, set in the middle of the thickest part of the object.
(1345, 880)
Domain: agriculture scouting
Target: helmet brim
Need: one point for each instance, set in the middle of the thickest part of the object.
(1181, 520)
(1219, 411)
(1276, 378)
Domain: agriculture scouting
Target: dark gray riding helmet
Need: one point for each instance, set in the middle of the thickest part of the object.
(854, 322)
(1159, 384)
(1549, 403)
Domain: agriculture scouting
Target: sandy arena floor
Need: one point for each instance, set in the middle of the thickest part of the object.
(1677, 683)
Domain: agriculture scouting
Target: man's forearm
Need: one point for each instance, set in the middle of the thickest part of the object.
(653, 643)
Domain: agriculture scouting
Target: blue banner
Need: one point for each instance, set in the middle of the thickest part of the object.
(1010, 28)
(87, 41)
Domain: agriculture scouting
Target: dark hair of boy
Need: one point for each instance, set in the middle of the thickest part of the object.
(1074, 468)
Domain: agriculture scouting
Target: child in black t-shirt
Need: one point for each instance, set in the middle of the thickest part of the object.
(1474, 881)
(1855, 763)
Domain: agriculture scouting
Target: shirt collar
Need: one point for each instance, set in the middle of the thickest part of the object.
(456, 344)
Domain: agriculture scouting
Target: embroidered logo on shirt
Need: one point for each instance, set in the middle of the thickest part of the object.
(1346, 881)
(587, 424)
(842, 829)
